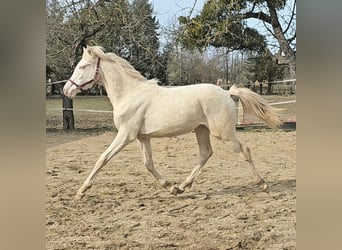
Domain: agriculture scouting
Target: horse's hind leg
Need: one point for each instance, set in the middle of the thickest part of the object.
(205, 151)
(146, 150)
(245, 154)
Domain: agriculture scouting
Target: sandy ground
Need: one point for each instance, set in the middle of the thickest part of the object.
(126, 208)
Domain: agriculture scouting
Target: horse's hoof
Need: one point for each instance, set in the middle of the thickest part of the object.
(184, 185)
(259, 182)
(79, 196)
(265, 188)
(175, 190)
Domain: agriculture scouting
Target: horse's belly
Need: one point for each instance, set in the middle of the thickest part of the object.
(171, 123)
(165, 132)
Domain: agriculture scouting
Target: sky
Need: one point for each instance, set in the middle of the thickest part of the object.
(167, 10)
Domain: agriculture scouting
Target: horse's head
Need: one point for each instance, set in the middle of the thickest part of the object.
(84, 75)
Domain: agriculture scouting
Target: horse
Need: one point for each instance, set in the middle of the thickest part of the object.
(142, 110)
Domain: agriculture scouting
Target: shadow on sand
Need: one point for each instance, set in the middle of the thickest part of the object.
(279, 186)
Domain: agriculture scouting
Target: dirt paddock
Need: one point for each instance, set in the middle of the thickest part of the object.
(126, 208)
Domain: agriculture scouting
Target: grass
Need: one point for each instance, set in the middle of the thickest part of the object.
(80, 102)
(83, 120)
(289, 109)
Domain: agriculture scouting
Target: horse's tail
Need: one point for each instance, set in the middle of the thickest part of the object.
(253, 103)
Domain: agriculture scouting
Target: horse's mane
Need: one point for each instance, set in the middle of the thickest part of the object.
(126, 66)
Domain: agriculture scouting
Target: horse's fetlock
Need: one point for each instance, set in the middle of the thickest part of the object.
(165, 184)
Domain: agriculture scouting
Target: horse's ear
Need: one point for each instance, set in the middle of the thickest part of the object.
(90, 51)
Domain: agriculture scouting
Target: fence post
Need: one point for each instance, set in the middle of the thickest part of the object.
(68, 115)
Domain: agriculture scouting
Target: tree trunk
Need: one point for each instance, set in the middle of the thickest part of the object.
(227, 66)
(284, 45)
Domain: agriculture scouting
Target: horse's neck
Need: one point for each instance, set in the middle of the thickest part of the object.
(118, 85)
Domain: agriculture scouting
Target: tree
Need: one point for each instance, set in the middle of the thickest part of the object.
(222, 23)
(115, 33)
(186, 67)
(164, 59)
(69, 27)
(265, 67)
(219, 25)
(144, 39)
(124, 27)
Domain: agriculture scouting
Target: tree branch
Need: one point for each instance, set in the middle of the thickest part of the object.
(258, 15)
(253, 7)
(269, 30)
(192, 9)
(291, 38)
(292, 15)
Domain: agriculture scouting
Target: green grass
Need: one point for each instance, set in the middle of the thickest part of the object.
(81, 102)
(278, 98)
(84, 120)
(287, 111)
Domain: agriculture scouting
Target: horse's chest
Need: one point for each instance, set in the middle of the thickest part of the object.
(128, 115)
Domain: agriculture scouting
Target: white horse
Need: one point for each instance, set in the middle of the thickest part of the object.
(143, 110)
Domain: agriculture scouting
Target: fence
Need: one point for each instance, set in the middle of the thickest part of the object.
(101, 118)
(284, 87)
(95, 90)
(287, 115)
(279, 87)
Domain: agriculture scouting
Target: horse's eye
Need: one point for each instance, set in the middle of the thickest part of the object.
(84, 66)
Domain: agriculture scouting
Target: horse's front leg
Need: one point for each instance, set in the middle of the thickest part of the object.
(121, 140)
(146, 150)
